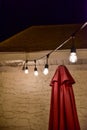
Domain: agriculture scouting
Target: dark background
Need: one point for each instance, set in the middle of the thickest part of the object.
(17, 15)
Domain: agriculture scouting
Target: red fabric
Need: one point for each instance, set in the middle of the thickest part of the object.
(63, 114)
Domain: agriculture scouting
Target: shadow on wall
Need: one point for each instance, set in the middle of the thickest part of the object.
(25, 99)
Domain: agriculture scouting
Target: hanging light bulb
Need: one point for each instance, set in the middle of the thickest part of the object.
(73, 56)
(26, 70)
(25, 67)
(35, 69)
(46, 71)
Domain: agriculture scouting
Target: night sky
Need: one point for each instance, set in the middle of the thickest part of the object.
(17, 15)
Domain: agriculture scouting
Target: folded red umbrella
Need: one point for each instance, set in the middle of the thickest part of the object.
(63, 113)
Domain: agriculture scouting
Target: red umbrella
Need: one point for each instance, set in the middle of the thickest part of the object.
(63, 114)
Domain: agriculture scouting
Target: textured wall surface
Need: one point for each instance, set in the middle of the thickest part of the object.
(25, 99)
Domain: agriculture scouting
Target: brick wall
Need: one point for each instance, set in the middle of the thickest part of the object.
(25, 99)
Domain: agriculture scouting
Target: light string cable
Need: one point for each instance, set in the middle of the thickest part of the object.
(62, 44)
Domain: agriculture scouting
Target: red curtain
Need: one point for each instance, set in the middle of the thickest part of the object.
(63, 114)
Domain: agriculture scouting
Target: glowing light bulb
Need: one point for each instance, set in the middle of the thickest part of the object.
(73, 57)
(26, 70)
(35, 71)
(46, 71)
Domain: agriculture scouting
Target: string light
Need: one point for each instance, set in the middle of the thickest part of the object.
(35, 69)
(26, 70)
(46, 71)
(25, 67)
(72, 57)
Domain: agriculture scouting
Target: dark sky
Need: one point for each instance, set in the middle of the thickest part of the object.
(16, 15)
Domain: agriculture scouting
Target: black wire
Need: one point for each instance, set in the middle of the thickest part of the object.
(73, 35)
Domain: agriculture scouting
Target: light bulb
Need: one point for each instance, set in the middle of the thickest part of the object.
(35, 71)
(26, 70)
(46, 70)
(73, 57)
